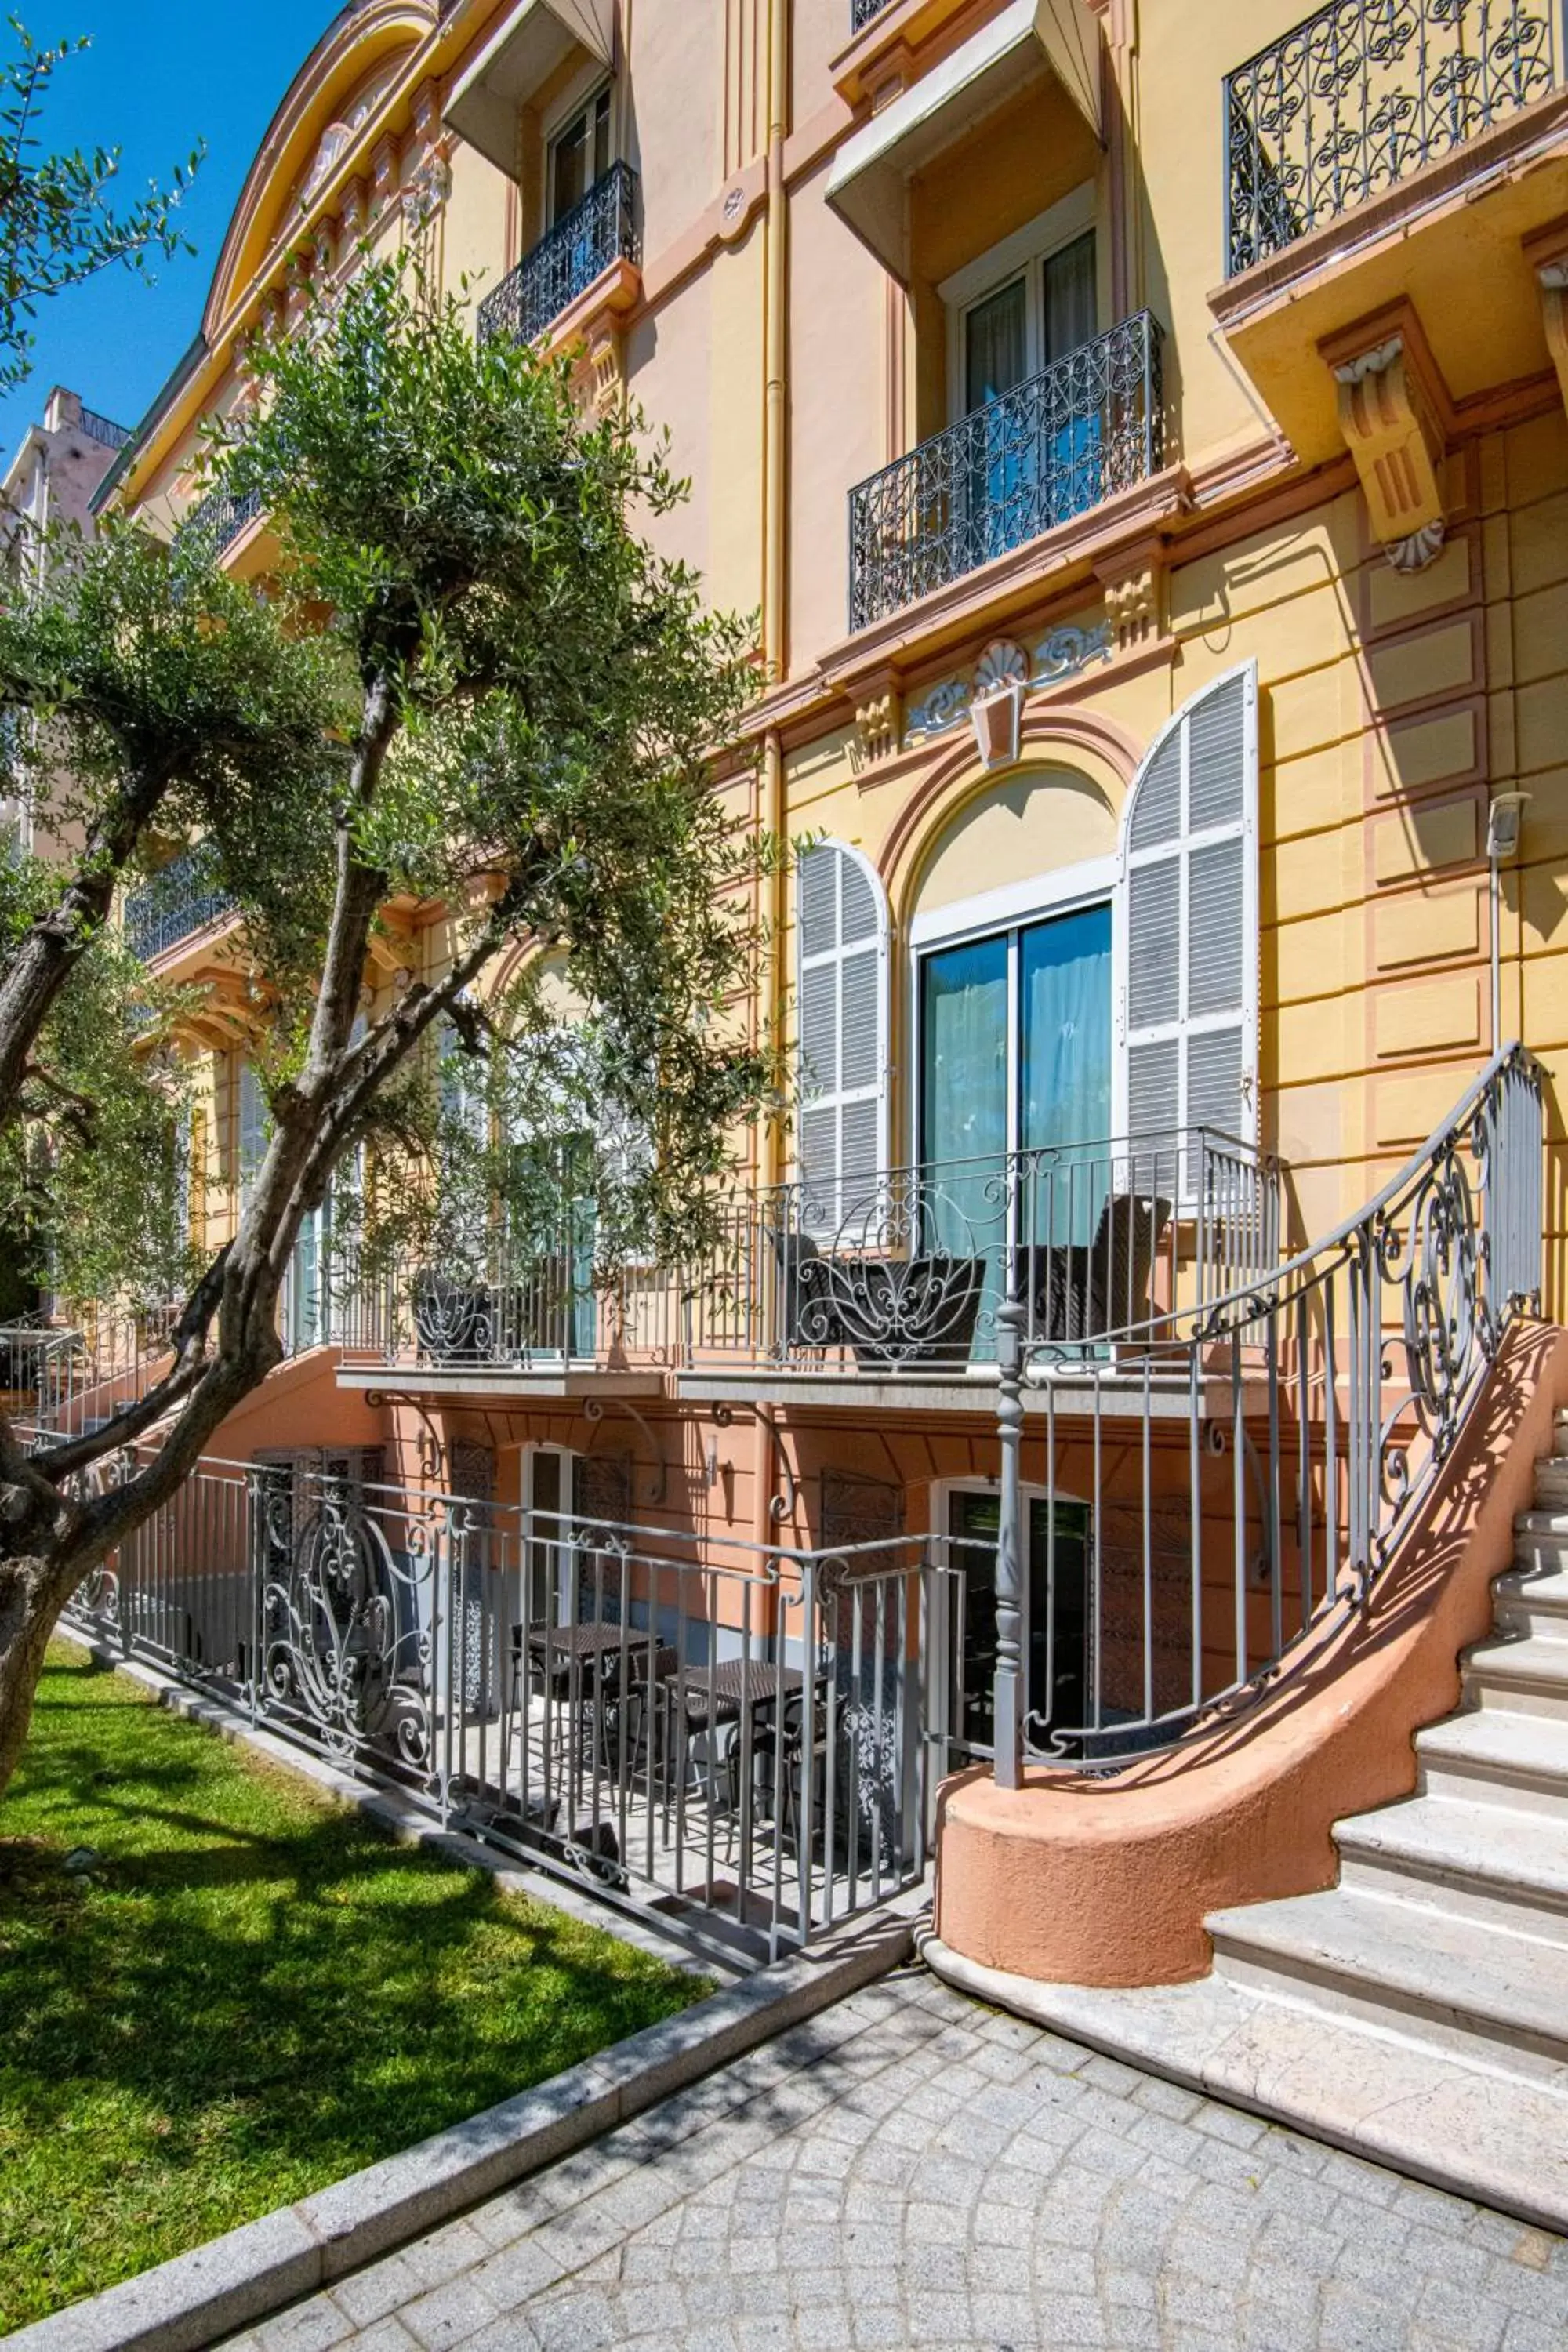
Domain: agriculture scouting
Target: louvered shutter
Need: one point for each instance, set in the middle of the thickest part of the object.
(1187, 930)
(252, 1130)
(842, 972)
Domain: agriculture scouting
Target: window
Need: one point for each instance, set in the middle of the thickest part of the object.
(1019, 308)
(252, 1139)
(1187, 937)
(841, 933)
(579, 155)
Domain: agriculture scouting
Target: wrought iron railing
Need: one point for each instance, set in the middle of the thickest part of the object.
(1253, 1466)
(181, 899)
(893, 1276)
(862, 11)
(595, 234)
(1363, 94)
(218, 519)
(72, 1374)
(103, 429)
(736, 1733)
(1060, 445)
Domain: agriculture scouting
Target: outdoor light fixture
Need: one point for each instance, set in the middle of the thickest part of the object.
(1504, 820)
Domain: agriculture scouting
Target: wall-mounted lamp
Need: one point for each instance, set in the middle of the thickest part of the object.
(1505, 821)
(711, 1465)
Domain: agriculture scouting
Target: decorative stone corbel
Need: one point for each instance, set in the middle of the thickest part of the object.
(1547, 255)
(1392, 406)
(598, 373)
(878, 721)
(1135, 600)
(996, 708)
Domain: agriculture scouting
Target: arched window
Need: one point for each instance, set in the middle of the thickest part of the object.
(841, 967)
(1186, 934)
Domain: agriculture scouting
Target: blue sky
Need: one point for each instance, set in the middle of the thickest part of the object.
(160, 76)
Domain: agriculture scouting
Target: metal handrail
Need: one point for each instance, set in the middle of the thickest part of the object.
(599, 231)
(1274, 1447)
(104, 429)
(861, 12)
(1089, 424)
(1362, 94)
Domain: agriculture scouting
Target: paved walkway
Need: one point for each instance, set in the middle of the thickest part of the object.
(912, 2169)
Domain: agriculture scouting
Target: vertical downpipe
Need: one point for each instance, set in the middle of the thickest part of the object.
(1007, 1694)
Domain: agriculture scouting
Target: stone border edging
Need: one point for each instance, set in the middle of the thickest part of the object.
(218, 2288)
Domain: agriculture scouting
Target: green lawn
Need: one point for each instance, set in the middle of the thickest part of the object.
(252, 1993)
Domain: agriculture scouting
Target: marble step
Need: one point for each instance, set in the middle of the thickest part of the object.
(1528, 1677)
(1551, 1483)
(1477, 2130)
(1493, 1759)
(1469, 1990)
(1489, 1865)
(1534, 1600)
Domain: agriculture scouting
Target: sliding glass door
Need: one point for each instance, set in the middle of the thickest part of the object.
(1015, 1058)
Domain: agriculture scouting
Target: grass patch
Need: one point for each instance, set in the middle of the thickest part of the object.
(250, 1993)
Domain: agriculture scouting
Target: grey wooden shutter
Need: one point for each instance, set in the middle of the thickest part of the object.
(252, 1130)
(1186, 943)
(841, 932)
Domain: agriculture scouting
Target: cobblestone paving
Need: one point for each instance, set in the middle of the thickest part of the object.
(912, 2169)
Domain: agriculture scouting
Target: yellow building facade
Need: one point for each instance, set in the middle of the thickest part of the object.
(1142, 431)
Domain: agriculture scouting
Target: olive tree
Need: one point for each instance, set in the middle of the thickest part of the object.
(474, 682)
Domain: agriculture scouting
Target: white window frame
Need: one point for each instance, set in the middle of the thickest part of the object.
(1021, 255)
(1012, 908)
(579, 96)
(568, 1459)
(1185, 1026)
(884, 1011)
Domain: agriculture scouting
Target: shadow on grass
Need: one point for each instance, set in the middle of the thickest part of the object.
(250, 1995)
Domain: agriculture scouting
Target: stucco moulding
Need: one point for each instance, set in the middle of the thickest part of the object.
(1005, 666)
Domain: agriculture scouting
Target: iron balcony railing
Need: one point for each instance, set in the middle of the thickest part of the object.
(181, 899)
(1363, 94)
(862, 11)
(898, 1275)
(72, 1374)
(595, 234)
(1091, 424)
(219, 519)
(103, 429)
(734, 1734)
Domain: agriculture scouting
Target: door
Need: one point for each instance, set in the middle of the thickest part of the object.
(1015, 1081)
(1055, 1620)
(1074, 425)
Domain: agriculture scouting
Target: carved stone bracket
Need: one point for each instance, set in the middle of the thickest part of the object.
(878, 721)
(1392, 409)
(1547, 255)
(1135, 603)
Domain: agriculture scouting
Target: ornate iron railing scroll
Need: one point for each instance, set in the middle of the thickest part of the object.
(1360, 95)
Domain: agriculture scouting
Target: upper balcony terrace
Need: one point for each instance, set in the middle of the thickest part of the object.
(1380, 158)
(181, 900)
(888, 1285)
(1052, 450)
(598, 237)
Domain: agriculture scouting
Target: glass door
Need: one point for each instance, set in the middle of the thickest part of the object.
(1014, 1060)
(1002, 461)
(1074, 428)
(1055, 1620)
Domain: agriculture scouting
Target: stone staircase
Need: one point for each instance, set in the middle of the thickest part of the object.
(1416, 2012)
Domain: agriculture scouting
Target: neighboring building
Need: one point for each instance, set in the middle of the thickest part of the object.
(49, 485)
(1147, 453)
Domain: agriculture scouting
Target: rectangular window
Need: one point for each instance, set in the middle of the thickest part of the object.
(579, 155)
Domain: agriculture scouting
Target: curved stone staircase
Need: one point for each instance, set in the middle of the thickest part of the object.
(1417, 2012)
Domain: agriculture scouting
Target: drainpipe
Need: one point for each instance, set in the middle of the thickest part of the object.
(1504, 821)
(775, 421)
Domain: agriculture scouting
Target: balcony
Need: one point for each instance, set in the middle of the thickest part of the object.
(1362, 96)
(1091, 424)
(862, 11)
(217, 520)
(1378, 156)
(179, 900)
(595, 235)
(891, 1282)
